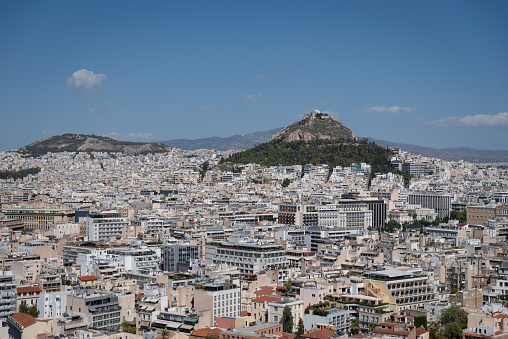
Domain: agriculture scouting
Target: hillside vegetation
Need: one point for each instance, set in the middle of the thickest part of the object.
(334, 152)
(19, 174)
(90, 143)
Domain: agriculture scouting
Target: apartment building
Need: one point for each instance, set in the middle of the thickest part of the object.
(298, 214)
(136, 259)
(336, 318)
(101, 226)
(98, 309)
(28, 295)
(400, 289)
(52, 304)
(8, 296)
(350, 216)
(276, 308)
(26, 271)
(180, 253)
(249, 258)
(222, 299)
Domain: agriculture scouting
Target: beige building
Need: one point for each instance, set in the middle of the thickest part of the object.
(26, 271)
(28, 295)
(24, 326)
(400, 289)
(480, 214)
(38, 215)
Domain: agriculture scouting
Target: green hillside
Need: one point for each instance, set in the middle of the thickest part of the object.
(332, 152)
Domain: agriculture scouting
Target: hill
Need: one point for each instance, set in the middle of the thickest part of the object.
(334, 152)
(235, 142)
(323, 142)
(315, 125)
(90, 143)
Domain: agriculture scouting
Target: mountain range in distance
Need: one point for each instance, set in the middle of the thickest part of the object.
(241, 142)
(77, 142)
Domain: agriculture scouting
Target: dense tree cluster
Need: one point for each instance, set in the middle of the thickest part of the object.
(338, 152)
(19, 174)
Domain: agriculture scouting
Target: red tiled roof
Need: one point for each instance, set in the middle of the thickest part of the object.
(28, 289)
(324, 333)
(386, 324)
(244, 314)
(23, 319)
(203, 332)
(266, 288)
(87, 277)
(266, 298)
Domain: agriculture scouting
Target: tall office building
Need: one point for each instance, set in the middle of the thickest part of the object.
(180, 253)
(441, 203)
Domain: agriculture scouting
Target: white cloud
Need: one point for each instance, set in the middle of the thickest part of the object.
(252, 97)
(114, 135)
(478, 120)
(47, 131)
(207, 109)
(140, 135)
(390, 109)
(259, 76)
(84, 81)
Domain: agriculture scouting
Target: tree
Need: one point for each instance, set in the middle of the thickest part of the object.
(372, 327)
(453, 291)
(32, 310)
(128, 328)
(454, 314)
(287, 284)
(452, 331)
(421, 321)
(434, 332)
(287, 320)
(299, 330)
(164, 333)
(355, 325)
(286, 182)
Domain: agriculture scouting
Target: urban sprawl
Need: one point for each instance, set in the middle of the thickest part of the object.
(172, 245)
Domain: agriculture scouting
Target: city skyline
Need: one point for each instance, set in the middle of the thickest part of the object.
(425, 72)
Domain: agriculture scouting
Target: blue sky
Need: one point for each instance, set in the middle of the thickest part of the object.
(431, 73)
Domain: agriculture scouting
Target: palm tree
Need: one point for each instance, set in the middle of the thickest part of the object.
(372, 327)
(355, 325)
(164, 333)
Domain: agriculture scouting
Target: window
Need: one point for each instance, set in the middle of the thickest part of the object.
(275, 309)
(275, 318)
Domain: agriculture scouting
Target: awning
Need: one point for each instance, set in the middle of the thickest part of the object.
(187, 327)
(174, 325)
(191, 320)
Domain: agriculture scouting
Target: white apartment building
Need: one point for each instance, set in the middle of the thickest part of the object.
(249, 258)
(52, 304)
(223, 299)
(105, 224)
(354, 216)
